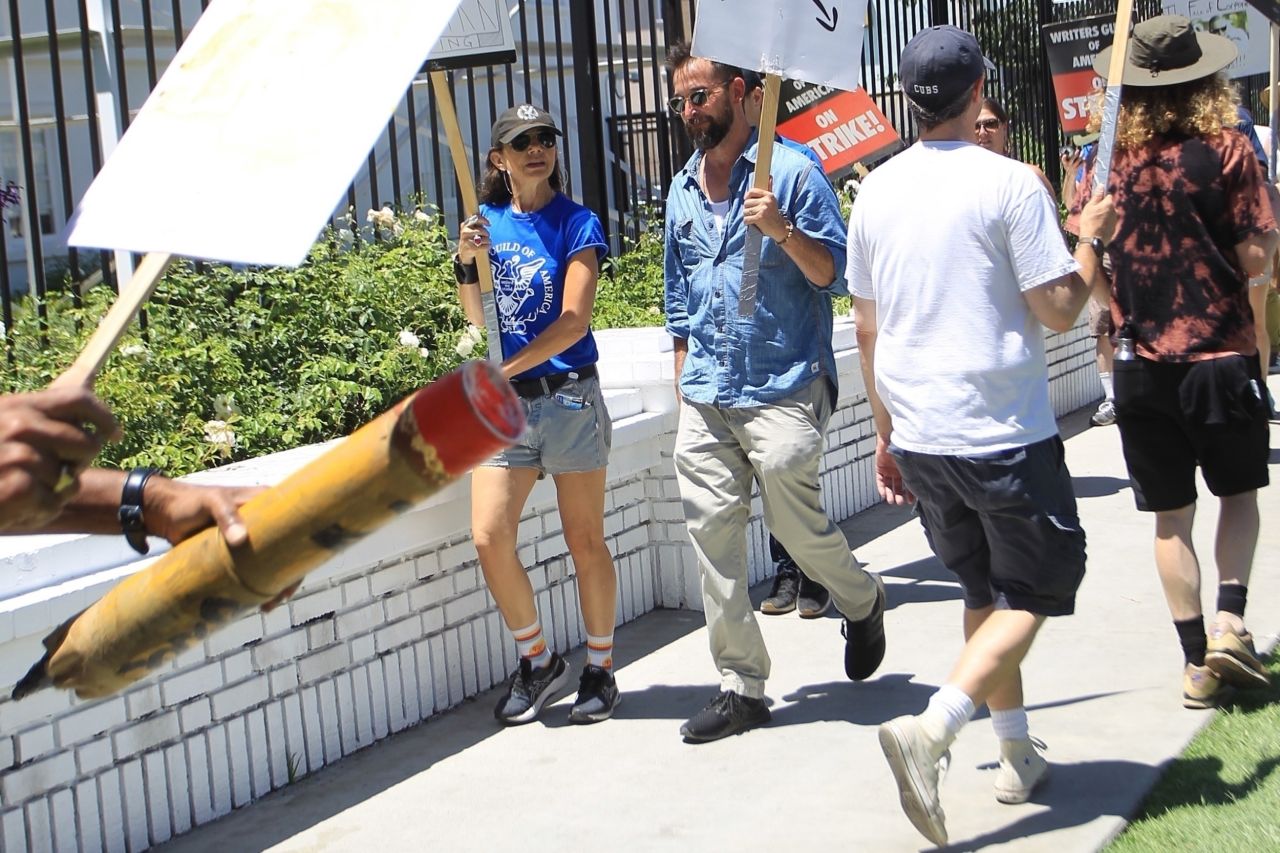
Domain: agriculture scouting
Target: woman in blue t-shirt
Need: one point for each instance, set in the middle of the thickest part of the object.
(544, 251)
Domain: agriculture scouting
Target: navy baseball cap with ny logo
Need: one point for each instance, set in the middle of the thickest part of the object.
(939, 65)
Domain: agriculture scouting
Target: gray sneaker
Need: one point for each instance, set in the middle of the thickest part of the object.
(529, 689)
(782, 597)
(918, 765)
(1106, 414)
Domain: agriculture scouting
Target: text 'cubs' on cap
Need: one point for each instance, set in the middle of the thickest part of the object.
(938, 65)
(517, 120)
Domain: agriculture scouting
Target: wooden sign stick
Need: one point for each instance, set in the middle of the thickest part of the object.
(113, 326)
(1272, 105)
(470, 205)
(1111, 101)
(764, 160)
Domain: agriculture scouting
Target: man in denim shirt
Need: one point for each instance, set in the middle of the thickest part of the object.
(757, 390)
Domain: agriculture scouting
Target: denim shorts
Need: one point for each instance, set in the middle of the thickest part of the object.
(1005, 523)
(569, 431)
(1175, 416)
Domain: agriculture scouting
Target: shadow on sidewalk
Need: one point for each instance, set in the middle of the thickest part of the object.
(1076, 794)
(362, 775)
(1098, 487)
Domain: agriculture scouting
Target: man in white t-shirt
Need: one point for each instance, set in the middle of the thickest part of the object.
(947, 236)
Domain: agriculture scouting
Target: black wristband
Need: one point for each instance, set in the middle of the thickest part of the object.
(465, 273)
(132, 521)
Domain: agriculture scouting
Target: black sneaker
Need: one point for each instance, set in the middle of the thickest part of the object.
(782, 597)
(814, 599)
(529, 689)
(597, 696)
(864, 639)
(727, 714)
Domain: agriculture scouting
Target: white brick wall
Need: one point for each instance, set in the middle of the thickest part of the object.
(373, 645)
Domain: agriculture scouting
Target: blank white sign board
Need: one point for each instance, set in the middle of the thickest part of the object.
(479, 34)
(817, 41)
(249, 140)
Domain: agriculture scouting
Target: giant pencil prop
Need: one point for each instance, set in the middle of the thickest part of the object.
(422, 444)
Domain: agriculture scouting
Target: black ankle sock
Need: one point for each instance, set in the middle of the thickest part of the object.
(1231, 598)
(1191, 636)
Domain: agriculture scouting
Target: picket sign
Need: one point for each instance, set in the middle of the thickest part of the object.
(801, 41)
(242, 124)
(479, 34)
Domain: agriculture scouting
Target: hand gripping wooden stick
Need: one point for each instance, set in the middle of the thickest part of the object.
(470, 205)
(760, 181)
(384, 468)
(111, 329)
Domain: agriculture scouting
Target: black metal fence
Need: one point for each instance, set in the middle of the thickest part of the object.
(79, 70)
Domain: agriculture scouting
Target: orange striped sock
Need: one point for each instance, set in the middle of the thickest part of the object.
(532, 645)
(600, 651)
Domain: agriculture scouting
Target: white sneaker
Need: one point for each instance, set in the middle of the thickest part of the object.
(918, 764)
(1106, 414)
(1022, 769)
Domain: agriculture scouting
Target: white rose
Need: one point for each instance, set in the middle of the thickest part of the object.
(424, 352)
(384, 218)
(408, 338)
(133, 349)
(465, 345)
(220, 434)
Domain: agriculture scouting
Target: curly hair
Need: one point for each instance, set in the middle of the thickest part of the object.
(1197, 108)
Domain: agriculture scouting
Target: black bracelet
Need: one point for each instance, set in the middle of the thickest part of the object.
(465, 273)
(131, 519)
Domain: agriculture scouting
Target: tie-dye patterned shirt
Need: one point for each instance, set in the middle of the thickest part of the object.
(1184, 203)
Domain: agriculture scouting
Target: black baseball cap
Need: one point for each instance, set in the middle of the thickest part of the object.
(938, 65)
(517, 120)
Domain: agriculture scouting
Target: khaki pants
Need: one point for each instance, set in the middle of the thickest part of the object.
(718, 453)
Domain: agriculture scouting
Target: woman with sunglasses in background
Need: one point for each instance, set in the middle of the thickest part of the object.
(991, 131)
(544, 251)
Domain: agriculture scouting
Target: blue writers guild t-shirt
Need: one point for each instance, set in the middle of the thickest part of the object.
(529, 255)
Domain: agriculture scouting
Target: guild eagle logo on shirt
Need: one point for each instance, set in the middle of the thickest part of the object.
(522, 287)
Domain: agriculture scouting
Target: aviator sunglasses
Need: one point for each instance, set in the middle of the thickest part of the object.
(987, 124)
(698, 97)
(545, 138)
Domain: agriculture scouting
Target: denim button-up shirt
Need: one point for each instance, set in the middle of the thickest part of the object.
(739, 362)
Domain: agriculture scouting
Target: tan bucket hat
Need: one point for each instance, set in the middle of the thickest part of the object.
(1167, 50)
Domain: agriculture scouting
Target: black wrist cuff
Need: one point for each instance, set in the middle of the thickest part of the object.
(131, 519)
(465, 273)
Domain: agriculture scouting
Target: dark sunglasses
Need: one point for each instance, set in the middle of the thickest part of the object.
(698, 97)
(545, 138)
(987, 124)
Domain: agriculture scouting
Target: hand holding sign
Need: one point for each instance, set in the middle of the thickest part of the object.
(779, 40)
(479, 33)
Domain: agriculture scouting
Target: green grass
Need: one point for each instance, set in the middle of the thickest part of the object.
(1223, 794)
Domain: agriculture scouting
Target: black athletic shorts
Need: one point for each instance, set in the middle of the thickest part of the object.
(1005, 523)
(1176, 415)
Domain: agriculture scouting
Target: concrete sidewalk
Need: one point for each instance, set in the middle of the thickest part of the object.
(1103, 688)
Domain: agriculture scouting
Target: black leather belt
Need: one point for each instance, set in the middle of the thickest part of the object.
(549, 384)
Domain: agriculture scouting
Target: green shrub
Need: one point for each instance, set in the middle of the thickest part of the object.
(236, 363)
